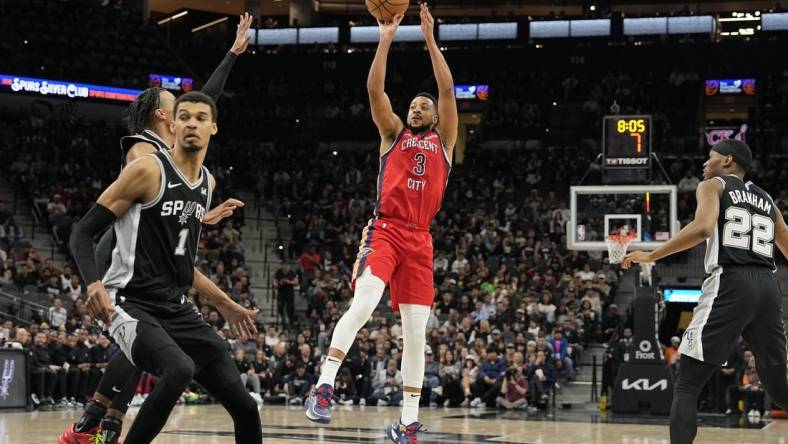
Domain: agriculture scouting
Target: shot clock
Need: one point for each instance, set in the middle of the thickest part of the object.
(626, 142)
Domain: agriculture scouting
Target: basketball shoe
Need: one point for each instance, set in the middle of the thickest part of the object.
(70, 436)
(318, 404)
(400, 433)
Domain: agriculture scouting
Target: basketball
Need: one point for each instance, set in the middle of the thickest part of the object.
(386, 9)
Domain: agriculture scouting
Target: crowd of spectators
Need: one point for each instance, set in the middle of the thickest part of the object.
(513, 309)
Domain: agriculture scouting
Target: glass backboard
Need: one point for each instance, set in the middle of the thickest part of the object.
(601, 210)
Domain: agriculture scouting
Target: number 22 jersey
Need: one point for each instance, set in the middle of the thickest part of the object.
(744, 234)
(413, 177)
(156, 242)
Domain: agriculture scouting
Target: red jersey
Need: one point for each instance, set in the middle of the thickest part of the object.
(412, 179)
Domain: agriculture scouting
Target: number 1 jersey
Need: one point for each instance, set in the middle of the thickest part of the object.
(156, 242)
(744, 234)
(413, 177)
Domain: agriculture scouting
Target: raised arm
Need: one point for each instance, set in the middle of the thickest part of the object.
(215, 84)
(448, 119)
(389, 124)
(706, 214)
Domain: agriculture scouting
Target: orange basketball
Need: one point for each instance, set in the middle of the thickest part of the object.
(386, 9)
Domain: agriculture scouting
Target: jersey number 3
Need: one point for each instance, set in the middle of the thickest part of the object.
(741, 224)
(421, 163)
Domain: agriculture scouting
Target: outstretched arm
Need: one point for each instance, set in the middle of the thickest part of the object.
(240, 320)
(215, 84)
(389, 124)
(448, 119)
(224, 209)
(708, 197)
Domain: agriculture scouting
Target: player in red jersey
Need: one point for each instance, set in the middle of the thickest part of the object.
(396, 246)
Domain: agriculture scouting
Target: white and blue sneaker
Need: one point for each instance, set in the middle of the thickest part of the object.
(400, 433)
(318, 404)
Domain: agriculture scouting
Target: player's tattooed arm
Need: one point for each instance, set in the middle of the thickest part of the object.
(697, 231)
(389, 124)
(781, 233)
(448, 117)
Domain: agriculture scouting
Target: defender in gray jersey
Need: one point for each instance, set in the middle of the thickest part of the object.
(159, 201)
(741, 226)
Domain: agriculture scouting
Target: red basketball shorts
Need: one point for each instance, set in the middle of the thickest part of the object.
(400, 254)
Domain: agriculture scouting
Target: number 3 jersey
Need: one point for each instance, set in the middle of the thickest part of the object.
(156, 242)
(413, 177)
(744, 234)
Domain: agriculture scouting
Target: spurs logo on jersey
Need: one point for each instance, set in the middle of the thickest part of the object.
(183, 209)
(156, 242)
(744, 234)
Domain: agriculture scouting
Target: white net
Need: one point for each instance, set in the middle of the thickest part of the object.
(617, 246)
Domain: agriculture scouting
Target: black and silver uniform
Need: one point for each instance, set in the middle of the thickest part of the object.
(744, 234)
(126, 142)
(156, 243)
(107, 241)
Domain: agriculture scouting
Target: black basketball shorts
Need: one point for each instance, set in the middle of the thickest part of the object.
(737, 301)
(141, 334)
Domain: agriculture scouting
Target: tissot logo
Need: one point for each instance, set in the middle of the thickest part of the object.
(643, 384)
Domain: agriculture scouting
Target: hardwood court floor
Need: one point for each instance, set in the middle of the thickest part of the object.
(281, 425)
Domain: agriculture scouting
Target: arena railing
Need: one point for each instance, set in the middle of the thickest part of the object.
(19, 308)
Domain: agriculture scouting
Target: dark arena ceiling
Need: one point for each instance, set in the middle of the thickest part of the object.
(472, 7)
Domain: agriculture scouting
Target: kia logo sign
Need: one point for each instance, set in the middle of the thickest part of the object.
(643, 384)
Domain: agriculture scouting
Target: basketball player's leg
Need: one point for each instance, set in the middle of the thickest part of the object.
(377, 260)
(114, 392)
(153, 350)
(717, 322)
(693, 375)
(766, 337)
(216, 372)
(412, 293)
(222, 380)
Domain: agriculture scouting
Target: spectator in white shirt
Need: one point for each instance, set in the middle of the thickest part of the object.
(57, 314)
(459, 264)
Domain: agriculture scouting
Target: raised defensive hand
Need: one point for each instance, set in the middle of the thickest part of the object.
(223, 210)
(427, 21)
(242, 36)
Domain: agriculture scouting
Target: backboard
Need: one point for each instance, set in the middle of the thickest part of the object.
(597, 211)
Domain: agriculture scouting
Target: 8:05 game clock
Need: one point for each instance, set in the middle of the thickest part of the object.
(626, 142)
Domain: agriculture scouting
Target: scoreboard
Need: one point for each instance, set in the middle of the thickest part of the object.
(626, 142)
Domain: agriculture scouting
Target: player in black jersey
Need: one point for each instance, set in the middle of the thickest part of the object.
(148, 119)
(741, 225)
(159, 201)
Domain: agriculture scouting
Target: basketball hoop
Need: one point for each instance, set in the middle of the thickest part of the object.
(617, 245)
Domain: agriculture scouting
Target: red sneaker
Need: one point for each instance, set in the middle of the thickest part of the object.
(70, 436)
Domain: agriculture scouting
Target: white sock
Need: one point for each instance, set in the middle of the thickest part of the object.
(329, 372)
(410, 408)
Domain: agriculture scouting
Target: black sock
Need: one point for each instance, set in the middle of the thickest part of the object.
(94, 413)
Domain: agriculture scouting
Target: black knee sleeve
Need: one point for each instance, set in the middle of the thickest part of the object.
(118, 372)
